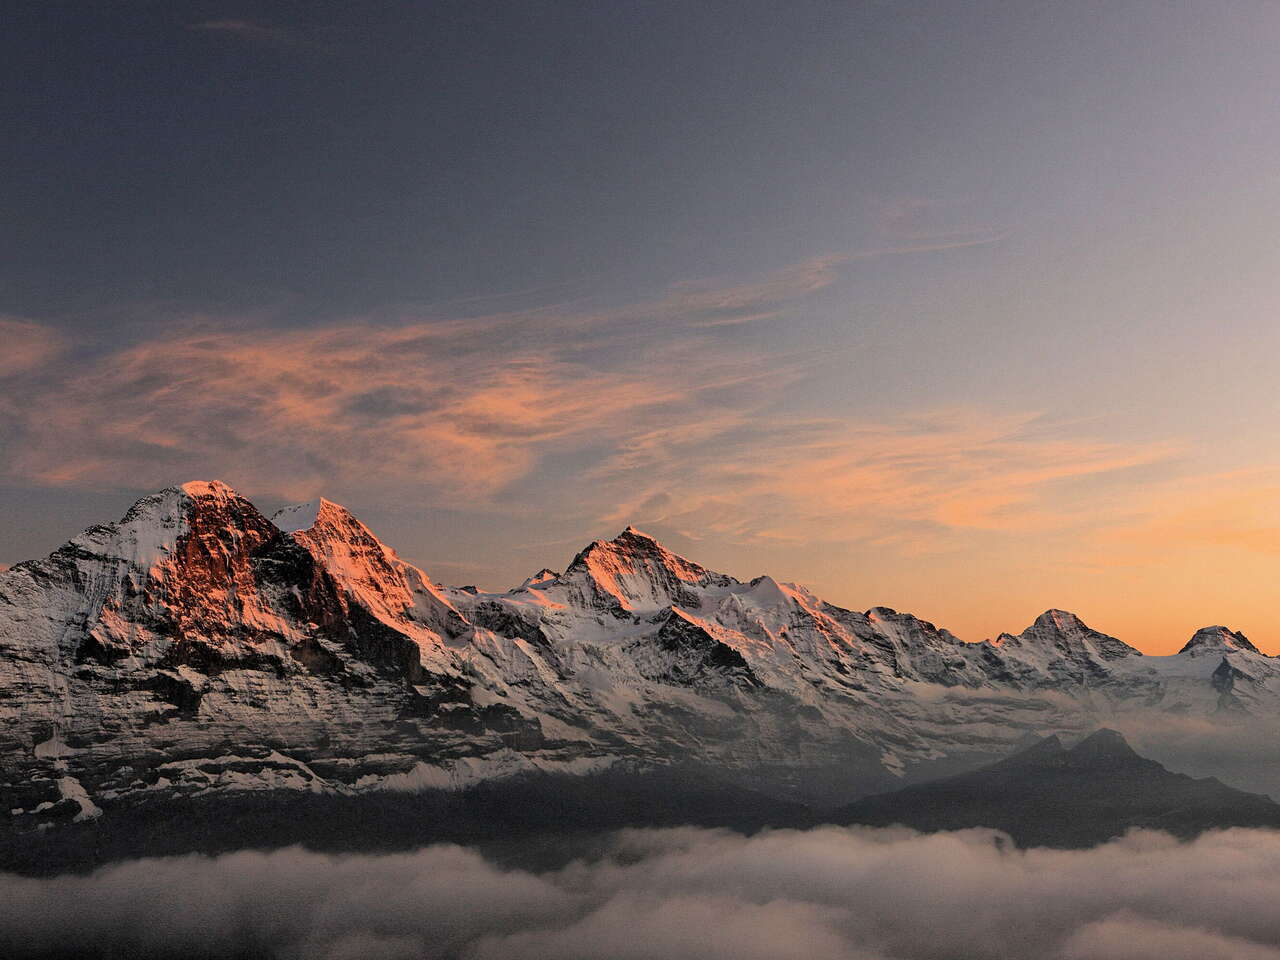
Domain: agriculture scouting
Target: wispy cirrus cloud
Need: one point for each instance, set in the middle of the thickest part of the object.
(909, 481)
(290, 412)
(1236, 509)
(462, 408)
(706, 304)
(648, 411)
(253, 31)
(27, 346)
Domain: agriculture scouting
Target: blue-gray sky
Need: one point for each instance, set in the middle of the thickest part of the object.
(966, 308)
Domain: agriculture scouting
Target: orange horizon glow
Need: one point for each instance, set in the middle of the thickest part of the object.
(973, 516)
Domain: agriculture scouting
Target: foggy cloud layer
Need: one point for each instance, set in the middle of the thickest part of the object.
(686, 894)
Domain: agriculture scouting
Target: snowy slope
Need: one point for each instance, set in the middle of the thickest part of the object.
(198, 646)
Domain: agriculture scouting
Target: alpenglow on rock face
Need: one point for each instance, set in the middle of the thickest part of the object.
(199, 646)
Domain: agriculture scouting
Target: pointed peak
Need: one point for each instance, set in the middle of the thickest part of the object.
(1105, 744)
(634, 535)
(1059, 620)
(1065, 631)
(332, 529)
(1218, 639)
(543, 576)
(630, 542)
(639, 573)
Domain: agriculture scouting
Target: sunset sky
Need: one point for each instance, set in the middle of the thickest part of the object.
(968, 309)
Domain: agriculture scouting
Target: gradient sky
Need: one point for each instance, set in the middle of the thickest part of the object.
(968, 309)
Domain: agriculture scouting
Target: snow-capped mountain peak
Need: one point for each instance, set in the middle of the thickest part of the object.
(1061, 621)
(543, 576)
(370, 573)
(634, 573)
(1216, 640)
(135, 656)
(1066, 633)
(208, 488)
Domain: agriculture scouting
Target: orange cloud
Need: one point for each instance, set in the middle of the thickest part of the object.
(632, 413)
(911, 482)
(1238, 510)
(27, 346)
(460, 408)
(291, 411)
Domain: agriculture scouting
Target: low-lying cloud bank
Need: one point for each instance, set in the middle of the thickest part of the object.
(855, 894)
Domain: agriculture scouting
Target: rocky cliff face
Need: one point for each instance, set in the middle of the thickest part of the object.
(199, 646)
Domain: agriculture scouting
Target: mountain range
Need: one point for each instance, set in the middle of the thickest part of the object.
(1058, 796)
(198, 648)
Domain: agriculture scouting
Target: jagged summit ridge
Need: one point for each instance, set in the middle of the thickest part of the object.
(196, 622)
(1101, 744)
(1066, 632)
(634, 572)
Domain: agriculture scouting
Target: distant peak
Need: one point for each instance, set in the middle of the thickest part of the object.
(1104, 743)
(1217, 639)
(543, 576)
(638, 572)
(630, 542)
(632, 533)
(1059, 620)
(1065, 631)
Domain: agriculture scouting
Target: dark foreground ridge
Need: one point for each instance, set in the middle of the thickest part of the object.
(1054, 796)
(1045, 796)
(534, 821)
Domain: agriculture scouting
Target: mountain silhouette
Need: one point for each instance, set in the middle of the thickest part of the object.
(1052, 795)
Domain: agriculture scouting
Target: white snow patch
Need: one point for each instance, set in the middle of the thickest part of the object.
(299, 516)
(273, 772)
(469, 771)
(71, 789)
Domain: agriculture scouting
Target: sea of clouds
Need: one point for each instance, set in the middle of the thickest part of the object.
(853, 894)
